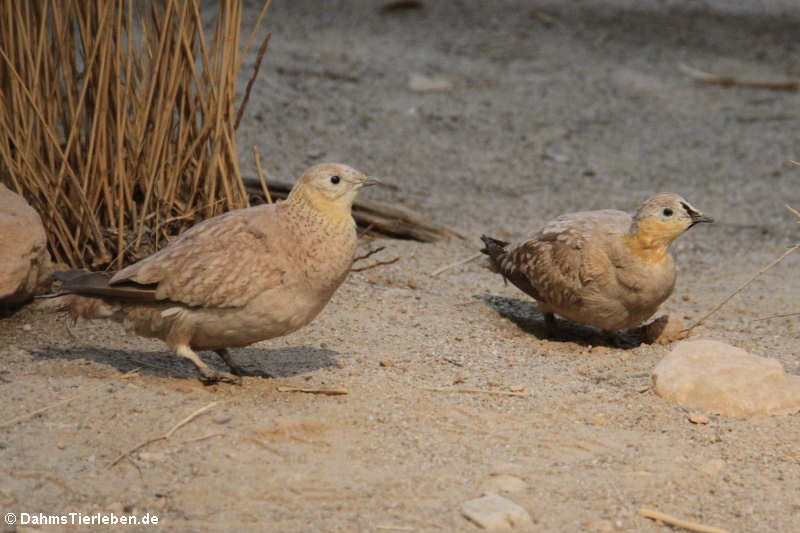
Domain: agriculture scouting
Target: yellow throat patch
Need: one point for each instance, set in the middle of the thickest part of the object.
(333, 209)
(652, 239)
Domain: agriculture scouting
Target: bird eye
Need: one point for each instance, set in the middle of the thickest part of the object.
(667, 212)
(335, 180)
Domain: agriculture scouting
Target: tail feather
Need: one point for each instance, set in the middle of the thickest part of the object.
(495, 249)
(97, 284)
(89, 295)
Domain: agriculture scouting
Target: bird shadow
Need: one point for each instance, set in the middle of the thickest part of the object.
(527, 317)
(258, 362)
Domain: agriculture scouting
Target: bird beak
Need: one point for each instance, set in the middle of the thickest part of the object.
(370, 181)
(700, 217)
(696, 216)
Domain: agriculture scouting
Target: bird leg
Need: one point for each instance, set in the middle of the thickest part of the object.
(550, 324)
(616, 339)
(226, 356)
(209, 376)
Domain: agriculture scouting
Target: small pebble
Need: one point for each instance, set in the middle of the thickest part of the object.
(712, 467)
(698, 418)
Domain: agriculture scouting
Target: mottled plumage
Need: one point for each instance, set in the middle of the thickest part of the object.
(238, 278)
(604, 268)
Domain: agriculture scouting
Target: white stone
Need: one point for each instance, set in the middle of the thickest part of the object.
(495, 513)
(24, 259)
(423, 83)
(718, 378)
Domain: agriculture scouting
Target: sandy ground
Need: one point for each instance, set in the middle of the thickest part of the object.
(590, 111)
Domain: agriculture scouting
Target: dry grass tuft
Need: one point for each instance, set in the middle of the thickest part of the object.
(118, 120)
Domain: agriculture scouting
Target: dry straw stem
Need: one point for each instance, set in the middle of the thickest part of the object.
(456, 264)
(685, 524)
(264, 188)
(748, 282)
(741, 288)
(336, 391)
(118, 120)
(730, 81)
(795, 212)
(83, 394)
(166, 435)
(476, 391)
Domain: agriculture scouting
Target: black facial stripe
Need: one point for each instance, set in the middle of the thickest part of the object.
(688, 209)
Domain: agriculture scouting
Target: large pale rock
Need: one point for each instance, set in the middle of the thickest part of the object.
(719, 378)
(495, 513)
(24, 260)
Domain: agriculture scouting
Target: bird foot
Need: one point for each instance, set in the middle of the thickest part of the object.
(211, 377)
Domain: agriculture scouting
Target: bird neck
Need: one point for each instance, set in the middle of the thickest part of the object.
(650, 240)
(336, 210)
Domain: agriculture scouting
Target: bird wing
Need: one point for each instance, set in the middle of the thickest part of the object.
(225, 261)
(569, 254)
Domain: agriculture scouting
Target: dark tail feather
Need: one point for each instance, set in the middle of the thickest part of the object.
(81, 281)
(96, 284)
(495, 249)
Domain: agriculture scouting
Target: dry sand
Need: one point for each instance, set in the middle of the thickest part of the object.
(588, 112)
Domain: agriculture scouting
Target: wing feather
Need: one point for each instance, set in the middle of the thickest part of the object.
(561, 262)
(225, 261)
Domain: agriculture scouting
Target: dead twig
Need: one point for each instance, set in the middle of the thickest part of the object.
(328, 74)
(741, 288)
(200, 439)
(83, 394)
(252, 80)
(730, 81)
(369, 253)
(379, 263)
(375, 265)
(476, 391)
(456, 264)
(336, 391)
(796, 213)
(784, 315)
(685, 524)
(365, 230)
(166, 435)
(401, 5)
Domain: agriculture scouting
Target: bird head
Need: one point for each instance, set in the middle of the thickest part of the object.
(329, 188)
(662, 218)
